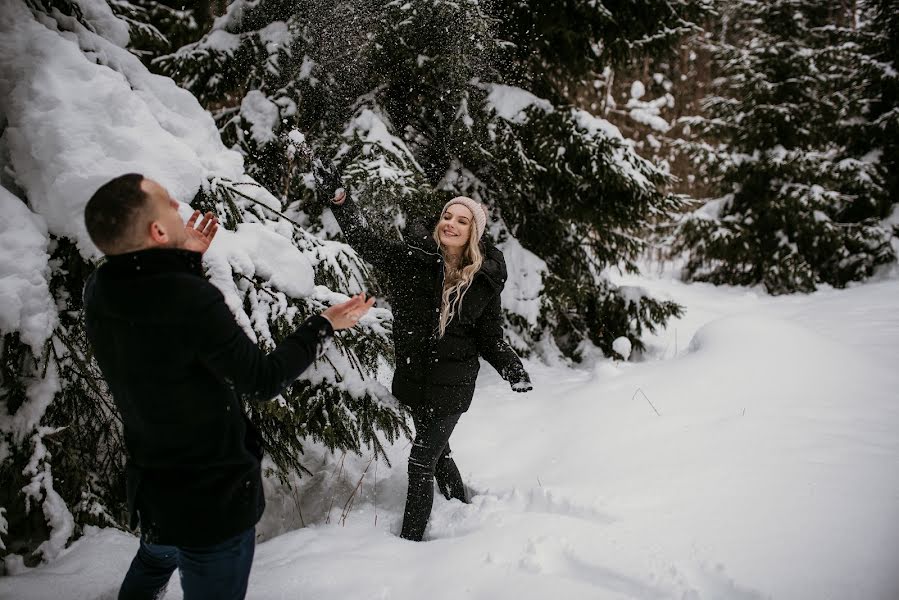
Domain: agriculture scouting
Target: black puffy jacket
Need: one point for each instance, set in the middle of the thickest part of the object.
(179, 366)
(436, 372)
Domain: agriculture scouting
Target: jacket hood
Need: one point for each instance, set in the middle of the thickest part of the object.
(494, 267)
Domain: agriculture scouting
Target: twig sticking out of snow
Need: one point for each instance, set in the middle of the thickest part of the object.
(296, 500)
(374, 490)
(339, 471)
(640, 391)
(349, 501)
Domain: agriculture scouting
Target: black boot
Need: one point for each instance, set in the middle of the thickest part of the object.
(449, 480)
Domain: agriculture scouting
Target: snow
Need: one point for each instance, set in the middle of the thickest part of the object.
(623, 157)
(510, 102)
(594, 125)
(104, 22)
(40, 492)
(521, 294)
(638, 90)
(893, 218)
(306, 70)
(374, 133)
(220, 41)
(749, 453)
(262, 115)
(26, 305)
(275, 35)
(297, 138)
(649, 112)
(711, 210)
(622, 346)
(81, 110)
(256, 250)
(4, 524)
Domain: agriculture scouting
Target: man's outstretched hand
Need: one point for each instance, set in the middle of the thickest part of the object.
(347, 314)
(200, 236)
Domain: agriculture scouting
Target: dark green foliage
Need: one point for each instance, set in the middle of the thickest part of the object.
(878, 79)
(326, 405)
(400, 94)
(559, 44)
(157, 27)
(800, 199)
(563, 213)
(80, 432)
(17, 362)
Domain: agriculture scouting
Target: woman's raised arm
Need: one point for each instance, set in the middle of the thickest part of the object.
(382, 253)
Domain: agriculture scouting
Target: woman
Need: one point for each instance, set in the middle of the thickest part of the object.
(444, 289)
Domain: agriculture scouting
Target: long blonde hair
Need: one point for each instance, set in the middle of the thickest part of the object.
(456, 281)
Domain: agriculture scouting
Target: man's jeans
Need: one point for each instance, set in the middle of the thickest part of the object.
(218, 571)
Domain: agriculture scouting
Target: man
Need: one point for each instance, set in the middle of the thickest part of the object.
(179, 366)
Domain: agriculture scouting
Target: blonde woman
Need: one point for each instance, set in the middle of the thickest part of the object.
(444, 288)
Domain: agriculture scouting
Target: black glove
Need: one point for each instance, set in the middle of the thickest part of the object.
(328, 179)
(522, 384)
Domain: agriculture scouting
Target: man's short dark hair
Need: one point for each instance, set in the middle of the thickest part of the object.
(111, 212)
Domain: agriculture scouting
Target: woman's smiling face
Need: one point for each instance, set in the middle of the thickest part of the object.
(455, 226)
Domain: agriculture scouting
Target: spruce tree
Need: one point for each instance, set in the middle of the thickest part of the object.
(877, 133)
(61, 451)
(419, 101)
(799, 201)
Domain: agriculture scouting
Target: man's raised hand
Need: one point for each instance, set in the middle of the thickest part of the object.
(198, 237)
(347, 314)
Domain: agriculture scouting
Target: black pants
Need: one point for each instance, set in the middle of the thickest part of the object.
(430, 459)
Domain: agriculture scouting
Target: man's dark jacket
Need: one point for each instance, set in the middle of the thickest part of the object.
(433, 372)
(179, 367)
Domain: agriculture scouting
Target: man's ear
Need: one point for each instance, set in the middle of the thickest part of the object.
(158, 233)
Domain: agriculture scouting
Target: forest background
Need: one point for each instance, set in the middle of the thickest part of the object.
(751, 143)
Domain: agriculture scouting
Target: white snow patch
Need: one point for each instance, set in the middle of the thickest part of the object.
(595, 125)
(73, 124)
(220, 41)
(276, 34)
(510, 102)
(262, 114)
(26, 305)
(103, 20)
(522, 292)
(622, 346)
(649, 112)
(638, 90)
(306, 69)
(374, 132)
(623, 157)
(255, 250)
(780, 416)
(893, 218)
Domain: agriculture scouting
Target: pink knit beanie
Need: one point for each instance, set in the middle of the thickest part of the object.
(477, 211)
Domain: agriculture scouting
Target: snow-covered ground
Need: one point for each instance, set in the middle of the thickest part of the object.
(754, 453)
